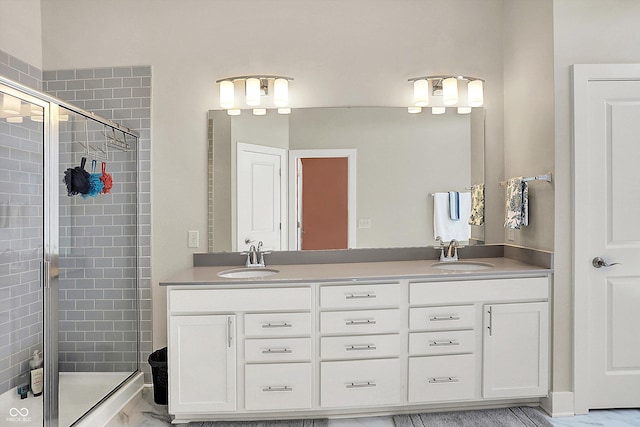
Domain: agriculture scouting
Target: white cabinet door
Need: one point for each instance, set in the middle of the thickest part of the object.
(516, 350)
(202, 364)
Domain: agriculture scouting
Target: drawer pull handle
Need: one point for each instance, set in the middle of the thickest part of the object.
(361, 322)
(440, 380)
(277, 351)
(441, 318)
(362, 295)
(278, 388)
(361, 384)
(443, 343)
(277, 325)
(361, 347)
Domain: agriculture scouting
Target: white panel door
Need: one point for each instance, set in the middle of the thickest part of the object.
(516, 350)
(608, 296)
(260, 195)
(202, 364)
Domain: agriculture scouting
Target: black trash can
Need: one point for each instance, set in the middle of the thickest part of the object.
(158, 362)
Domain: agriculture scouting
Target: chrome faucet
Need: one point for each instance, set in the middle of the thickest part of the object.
(452, 250)
(255, 256)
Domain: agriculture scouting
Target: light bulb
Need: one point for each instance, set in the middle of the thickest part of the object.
(252, 91)
(476, 93)
(281, 92)
(450, 91)
(414, 110)
(259, 111)
(234, 111)
(284, 110)
(438, 110)
(227, 97)
(421, 93)
(464, 110)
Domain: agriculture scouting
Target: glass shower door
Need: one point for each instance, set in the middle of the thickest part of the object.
(22, 256)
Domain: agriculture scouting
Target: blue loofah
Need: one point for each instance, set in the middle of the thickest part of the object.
(95, 183)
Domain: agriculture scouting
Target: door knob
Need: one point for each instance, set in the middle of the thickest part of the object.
(598, 262)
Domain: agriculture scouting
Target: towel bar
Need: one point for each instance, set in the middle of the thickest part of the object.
(546, 177)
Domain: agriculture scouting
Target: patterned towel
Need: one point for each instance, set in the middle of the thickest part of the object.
(476, 217)
(517, 204)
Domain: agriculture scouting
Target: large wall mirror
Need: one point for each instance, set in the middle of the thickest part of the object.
(333, 178)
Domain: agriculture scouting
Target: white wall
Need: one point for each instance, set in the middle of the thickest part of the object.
(357, 52)
(21, 30)
(585, 32)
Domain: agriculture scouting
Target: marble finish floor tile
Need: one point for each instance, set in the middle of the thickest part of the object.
(605, 418)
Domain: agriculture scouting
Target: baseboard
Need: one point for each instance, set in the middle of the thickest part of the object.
(558, 404)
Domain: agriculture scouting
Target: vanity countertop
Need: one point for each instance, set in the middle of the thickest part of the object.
(364, 271)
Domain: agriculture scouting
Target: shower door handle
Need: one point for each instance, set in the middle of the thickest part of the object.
(45, 274)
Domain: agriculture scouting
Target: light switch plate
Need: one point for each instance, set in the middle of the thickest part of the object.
(193, 239)
(511, 234)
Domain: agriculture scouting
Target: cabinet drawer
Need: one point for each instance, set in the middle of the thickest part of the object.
(360, 383)
(277, 350)
(277, 386)
(360, 296)
(277, 324)
(442, 318)
(469, 291)
(360, 347)
(358, 322)
(233, 300)
(441, 378)
(446, 342)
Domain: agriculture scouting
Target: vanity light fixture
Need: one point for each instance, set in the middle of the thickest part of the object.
(450, 91)
(256, 94)
(444, 91)
(10, 104)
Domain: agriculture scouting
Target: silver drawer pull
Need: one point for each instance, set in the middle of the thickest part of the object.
(361, 384)
(443, 343)
(362, 295)
(361, 322)
(440, 380)
(278, 388)
(277, 325)
(440, 318)
(360, 347)
(277, 351)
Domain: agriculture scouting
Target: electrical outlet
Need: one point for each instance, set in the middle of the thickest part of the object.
(511, 234)
(364, 223)
(193, 239)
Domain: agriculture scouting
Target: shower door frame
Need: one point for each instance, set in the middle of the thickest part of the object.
(51, 243)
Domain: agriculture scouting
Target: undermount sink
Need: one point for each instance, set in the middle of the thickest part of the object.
(462, 265)
(247, 273)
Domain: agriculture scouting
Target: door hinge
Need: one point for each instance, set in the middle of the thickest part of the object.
(280, 225)
(279, 171)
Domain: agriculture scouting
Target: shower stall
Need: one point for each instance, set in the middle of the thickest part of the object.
(69, 285)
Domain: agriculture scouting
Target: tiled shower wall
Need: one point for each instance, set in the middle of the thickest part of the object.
(21, 213)
(97, 315)
(122, 94)
(19, 71)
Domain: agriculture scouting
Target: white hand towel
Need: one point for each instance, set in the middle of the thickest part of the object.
(444, 226)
